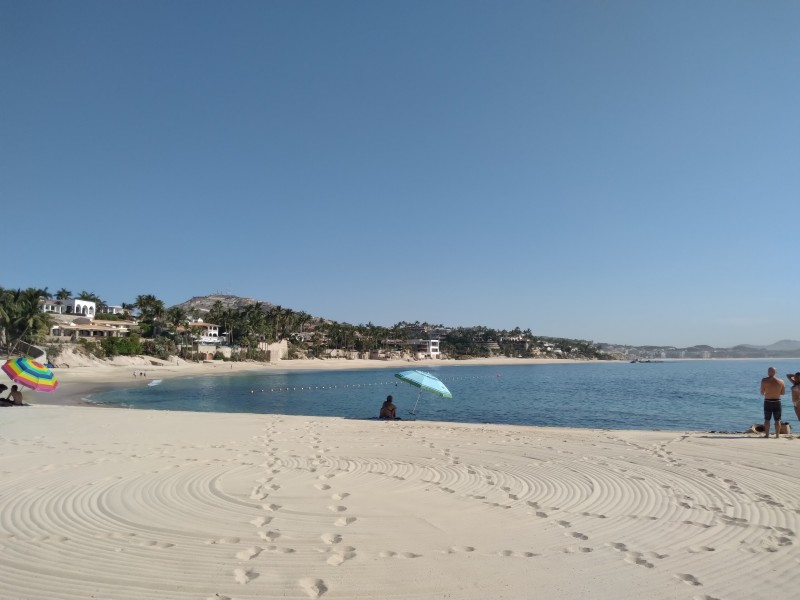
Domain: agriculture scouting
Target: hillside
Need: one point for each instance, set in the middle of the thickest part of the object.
(204, 303)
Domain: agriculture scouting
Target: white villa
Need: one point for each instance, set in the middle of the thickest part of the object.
(204, 333)
(72, 306)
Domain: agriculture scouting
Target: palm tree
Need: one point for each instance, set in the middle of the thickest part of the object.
(151, 309)
(176, 316)
(21, 318)
(90, 297)
(63, 294)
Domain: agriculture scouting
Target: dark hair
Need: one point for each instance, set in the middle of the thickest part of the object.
(388, 399)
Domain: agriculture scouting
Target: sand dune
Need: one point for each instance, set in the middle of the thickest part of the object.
(130, 504)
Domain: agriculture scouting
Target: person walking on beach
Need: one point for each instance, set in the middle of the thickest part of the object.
(772, 388)
(795, 379)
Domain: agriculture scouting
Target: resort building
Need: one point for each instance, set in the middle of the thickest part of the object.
(204, 333)
(111, 310)
(71, 306)
(83, 327)
(425, 348)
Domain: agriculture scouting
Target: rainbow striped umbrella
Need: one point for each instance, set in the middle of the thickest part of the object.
(30, 374)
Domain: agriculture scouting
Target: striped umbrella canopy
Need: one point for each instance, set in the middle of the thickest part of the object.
(424, 381)
(30, 374)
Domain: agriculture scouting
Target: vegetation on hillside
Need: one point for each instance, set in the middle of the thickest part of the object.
(247, 325)
(21, 319)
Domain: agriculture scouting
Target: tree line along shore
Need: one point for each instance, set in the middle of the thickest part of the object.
(248, 327)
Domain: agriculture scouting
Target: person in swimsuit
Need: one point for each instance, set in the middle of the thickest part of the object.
(772, 388)
(795, 379)
(388, 409)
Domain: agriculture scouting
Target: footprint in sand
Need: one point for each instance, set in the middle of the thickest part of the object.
(619, 546)
(696, 549)
(313, 587)
(738, 521)
(635, 558)
(277, 550)
(564, 523)
(696, 524)
(261, 521)
(331, 538)
(344, 521)
(341, 555)
(458, 549)
(249, 553)
(341, 496)
(243, 576)
(270, 536)
(688, 579)
(579, 536)
(322, 486)
(271, 507)
(225, 540)
(337, 508)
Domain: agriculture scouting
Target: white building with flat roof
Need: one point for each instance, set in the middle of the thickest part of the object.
(71, 306)
(425, 348)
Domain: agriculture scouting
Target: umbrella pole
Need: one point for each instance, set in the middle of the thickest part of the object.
(414, 412)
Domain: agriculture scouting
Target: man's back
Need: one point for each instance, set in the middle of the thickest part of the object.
(772, 387)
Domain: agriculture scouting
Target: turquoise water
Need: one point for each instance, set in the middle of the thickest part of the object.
(696, 395)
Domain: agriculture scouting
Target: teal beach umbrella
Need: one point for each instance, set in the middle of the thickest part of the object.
(424, 381)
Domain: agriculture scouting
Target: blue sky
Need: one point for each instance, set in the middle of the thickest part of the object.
(624, 172)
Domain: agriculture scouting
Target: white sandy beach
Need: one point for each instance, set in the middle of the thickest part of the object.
(133, 504)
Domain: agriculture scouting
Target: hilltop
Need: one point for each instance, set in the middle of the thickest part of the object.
(228, 301)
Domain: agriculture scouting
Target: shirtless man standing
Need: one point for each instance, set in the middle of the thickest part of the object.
(772, 388)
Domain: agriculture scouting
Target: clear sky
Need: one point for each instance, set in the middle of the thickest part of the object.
(620, 171)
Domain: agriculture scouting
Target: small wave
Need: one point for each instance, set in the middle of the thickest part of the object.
(154, 382)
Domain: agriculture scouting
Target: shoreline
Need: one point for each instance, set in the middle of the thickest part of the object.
(75, 383)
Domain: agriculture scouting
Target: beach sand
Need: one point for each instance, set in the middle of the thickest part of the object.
(134, 504)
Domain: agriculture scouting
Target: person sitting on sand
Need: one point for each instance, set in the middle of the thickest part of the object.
(388, 409)
(4, 401)
(772, 388)
(795, 379)
(15, 396)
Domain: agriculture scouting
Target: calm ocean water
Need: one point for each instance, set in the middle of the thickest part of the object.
(695, 395)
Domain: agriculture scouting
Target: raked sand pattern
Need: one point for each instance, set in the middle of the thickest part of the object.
(123, 504)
